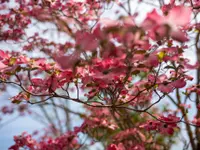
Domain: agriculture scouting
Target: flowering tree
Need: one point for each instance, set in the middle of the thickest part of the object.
(131, 77)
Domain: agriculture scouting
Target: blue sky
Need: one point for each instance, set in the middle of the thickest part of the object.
(16, 127)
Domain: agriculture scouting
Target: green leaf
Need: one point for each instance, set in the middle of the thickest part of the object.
(18, 69)
(140, 52)
(161, 55)
(135, 72)
(15, 101)
(12, 61)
